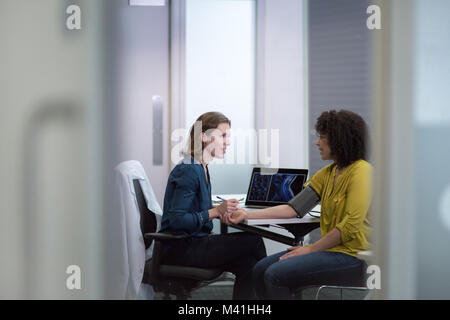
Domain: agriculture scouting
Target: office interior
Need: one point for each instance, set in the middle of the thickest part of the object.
(131, 77)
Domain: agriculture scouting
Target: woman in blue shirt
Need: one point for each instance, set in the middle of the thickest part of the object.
(188, 209)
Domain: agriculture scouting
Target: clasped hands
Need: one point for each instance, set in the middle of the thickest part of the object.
(229, 212)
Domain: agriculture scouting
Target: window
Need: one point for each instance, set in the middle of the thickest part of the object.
(220, 76)
(220, 60)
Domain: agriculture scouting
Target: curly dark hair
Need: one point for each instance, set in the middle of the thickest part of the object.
(347, 135)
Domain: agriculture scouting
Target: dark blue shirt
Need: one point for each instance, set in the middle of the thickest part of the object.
(187, 200)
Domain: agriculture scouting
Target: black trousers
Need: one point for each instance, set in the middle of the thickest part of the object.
(233, 252)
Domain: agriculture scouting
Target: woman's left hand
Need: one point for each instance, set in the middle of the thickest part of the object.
(296, 251)
(234, 217)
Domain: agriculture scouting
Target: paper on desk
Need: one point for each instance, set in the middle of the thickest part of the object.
(240, 197)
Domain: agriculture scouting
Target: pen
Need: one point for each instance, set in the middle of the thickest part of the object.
(226, 199)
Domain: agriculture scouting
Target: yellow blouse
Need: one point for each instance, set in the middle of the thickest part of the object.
(345, 205)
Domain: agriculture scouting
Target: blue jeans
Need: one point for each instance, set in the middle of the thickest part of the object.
(274, 279)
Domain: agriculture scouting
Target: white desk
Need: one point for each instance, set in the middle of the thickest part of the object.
(296, 226)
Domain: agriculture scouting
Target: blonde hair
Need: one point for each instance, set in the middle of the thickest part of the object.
(207, 121)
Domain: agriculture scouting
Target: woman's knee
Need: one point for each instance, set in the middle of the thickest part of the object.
(271, 277)
(261, 266)
(258, 269)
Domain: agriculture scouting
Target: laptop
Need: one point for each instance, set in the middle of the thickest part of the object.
(271, 187)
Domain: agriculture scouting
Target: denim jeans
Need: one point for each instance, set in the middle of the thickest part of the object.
(275, 279)
(234, 252)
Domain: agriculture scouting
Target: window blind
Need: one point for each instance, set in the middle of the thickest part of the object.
(339, 56)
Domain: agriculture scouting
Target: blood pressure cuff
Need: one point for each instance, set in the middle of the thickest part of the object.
(305, 201)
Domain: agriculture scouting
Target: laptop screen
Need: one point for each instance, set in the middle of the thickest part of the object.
(273, 187)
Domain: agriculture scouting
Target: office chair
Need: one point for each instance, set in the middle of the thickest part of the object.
(355, 281)
(168, 279)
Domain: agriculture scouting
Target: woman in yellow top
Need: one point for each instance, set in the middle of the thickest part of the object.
(344, 189)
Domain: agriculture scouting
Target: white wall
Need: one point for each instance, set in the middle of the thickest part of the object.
(141, 67)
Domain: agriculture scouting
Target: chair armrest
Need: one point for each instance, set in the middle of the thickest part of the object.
(165, 236)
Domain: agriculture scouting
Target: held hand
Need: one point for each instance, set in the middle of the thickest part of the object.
(234, 217)
(227, 206)
(296, 251)
(237, 216)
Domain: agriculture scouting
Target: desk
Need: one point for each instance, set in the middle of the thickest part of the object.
(296, 226)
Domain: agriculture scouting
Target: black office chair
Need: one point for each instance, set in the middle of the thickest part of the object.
(168, 279)
(354, 280)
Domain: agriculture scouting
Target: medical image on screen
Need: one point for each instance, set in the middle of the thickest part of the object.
(284, 187)
(260, 187)
(280, 187)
